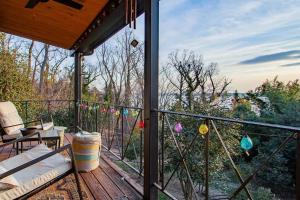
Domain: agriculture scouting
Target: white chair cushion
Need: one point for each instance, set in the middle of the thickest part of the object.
(36, 175)
(46, 126)
(9, 116)
(8, 182)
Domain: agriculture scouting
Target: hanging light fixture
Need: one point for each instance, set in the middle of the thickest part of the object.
(134, 43)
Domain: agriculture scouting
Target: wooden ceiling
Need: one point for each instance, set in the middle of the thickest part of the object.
(50, 22)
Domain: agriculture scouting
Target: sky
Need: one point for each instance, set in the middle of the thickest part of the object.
(251, 40)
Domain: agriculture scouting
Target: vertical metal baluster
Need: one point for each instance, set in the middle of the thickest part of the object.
(48, 107)
(69, 114)
(87, 117)
(110, 119)
(207, 161)
(81, 122)
(162, 150)
(122, 129)
(26, 111)
(96, 106)
(141, 144)
(81, 117)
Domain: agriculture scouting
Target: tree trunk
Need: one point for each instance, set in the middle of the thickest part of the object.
(29, 58)
(127, 89)
(46, 57)
(180, 90)
(186, 186)
(189, 95)
(127, 71)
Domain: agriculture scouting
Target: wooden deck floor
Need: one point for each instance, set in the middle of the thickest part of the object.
(105, 183)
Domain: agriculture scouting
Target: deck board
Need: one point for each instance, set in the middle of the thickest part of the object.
(104, 183)
(111, 189)
(94, 186)
(128, 191)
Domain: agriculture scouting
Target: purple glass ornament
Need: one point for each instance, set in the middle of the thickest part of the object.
(178, 127)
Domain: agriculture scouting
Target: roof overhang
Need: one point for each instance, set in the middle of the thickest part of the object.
(57, 24)
(106, 24)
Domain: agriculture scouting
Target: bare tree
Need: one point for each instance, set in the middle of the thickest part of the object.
(90, 74)
(191, 76)
(107, 64)
(217, 86)
(121, 73)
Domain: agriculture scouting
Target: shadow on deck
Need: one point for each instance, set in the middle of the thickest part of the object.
(104, 183)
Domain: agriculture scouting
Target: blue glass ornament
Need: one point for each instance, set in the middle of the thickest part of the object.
(246, 143)
(125, 112)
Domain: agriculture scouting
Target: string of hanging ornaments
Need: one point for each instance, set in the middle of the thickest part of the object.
(245, 143)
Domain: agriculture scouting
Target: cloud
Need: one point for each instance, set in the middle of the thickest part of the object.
(291, 64)
(285, 55)
(231, 31)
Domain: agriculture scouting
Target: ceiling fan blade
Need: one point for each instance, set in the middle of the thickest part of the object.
(32, 3)
(70, 3)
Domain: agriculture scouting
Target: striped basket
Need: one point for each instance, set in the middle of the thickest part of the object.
(86, 148)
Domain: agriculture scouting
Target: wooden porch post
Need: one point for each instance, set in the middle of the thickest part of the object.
(77, 88)
(151, 99)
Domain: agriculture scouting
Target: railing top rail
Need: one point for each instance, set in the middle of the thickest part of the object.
(238, 121)
(116, 106)
(200, 116)
(42, 100)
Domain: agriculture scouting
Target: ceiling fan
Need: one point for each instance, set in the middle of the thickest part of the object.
(70, 3)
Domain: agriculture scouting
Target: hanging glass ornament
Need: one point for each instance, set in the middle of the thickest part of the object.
(134, 113)
(178, 127)
(203, 129)
(141, 124)
(246, 144)
(117, 113)
(103, 110)
(112, 110)
(125, 112)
